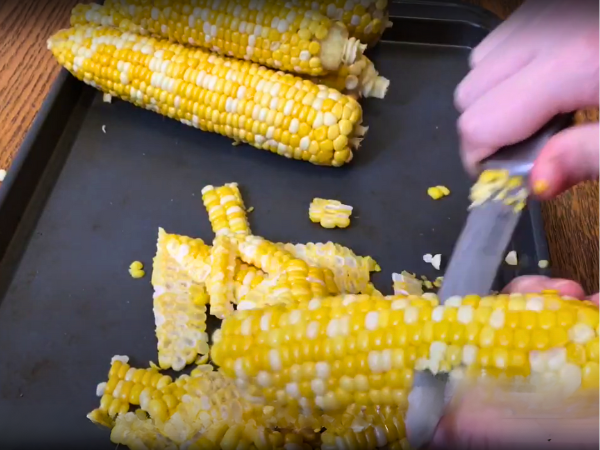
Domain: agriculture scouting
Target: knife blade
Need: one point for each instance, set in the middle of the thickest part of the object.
(473, 266)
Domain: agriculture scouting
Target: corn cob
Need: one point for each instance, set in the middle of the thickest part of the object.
(351, 272)
(366, 20)
(179, 306)
(330, 213)
(338, 351)
(269, 110)
(192, 254)
(277, 35)
(226, 210)
(359, 79)
(220, 282)
(246, 278)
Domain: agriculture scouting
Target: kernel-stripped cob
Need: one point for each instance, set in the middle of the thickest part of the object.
(179, 307)
(192, 254)
(226, 210)
(275, 34)
(363, 350)
(366, 20)
(220, 282)
(359, 79)
(351, 272)
(248, 103)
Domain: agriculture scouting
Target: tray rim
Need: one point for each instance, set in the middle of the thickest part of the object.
(488, 21)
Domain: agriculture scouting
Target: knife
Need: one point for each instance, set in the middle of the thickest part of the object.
(472, 269)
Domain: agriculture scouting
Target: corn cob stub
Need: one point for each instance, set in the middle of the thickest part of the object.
(330, 213)
(342, 350)
(269, 110)
(179, 305)
(366, 20)
(225, 209)
(278, 35)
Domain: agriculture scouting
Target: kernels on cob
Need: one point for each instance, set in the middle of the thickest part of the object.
(139, 433)
(179, 307)
(342, 350)
(220, 282)
(263, 254)
(351, 272)
(192, 254)
(330, 213)
(406, 284)
(275, 34)
(359, 79)
(248, 103)
(366, 20)
(246, 278)
(226, 210)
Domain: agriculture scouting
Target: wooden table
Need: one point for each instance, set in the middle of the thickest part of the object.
(27, 70)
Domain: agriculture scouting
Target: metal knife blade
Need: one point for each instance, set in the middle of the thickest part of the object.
(472, 269)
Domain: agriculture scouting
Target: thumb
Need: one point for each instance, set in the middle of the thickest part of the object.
(569, 158)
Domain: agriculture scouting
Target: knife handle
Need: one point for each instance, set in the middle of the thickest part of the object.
(518, 158)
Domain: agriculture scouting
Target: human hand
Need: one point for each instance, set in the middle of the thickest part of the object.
(541, 62)
(475, 424)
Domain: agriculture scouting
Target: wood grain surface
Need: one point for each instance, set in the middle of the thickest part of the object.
(27, 70)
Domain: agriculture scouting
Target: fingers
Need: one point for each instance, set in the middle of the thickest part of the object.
(522, 104)
(538, 283)
(518, 20)
(569, 158)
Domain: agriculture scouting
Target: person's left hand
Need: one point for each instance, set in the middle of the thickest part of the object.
(538, 283)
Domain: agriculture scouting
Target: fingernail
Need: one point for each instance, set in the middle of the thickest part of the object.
(540, 186)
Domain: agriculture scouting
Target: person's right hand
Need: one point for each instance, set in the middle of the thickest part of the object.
(542, 61)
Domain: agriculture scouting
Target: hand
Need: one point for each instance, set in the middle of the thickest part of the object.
(542, 61)
(474, 424)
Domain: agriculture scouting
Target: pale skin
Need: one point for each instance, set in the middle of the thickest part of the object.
(542, 61)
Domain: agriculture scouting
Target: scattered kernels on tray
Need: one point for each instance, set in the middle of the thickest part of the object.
(437, 192)
(330, 213)
(376, 343)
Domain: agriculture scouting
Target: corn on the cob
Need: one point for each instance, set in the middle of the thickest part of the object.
(330, 213)
(275, 34)
(248, 103)
(220, 282)
(359, 79)
(359, 349)
(351, 272)
(366, 20)
(225, 209)
(179, 306)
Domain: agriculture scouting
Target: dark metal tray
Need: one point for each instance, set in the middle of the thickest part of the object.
(79, 205)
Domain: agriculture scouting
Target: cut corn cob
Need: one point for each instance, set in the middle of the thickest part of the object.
(269, 110)
(366, 20)
(359, 79)
(275, 34)
(351, 272)
(265, 255)
(246, 278)
(192, 254)
(220, 282)
(179, 307)
(330, 213)
(226, 210)
(139, 434)
(363, 350)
